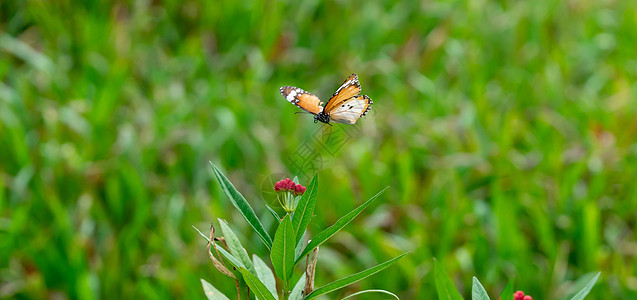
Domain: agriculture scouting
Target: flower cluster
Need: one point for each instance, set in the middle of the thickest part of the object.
(289, 192)
(289, 185)
(519, 295)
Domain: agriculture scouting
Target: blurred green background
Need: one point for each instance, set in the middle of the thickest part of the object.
(507, 131)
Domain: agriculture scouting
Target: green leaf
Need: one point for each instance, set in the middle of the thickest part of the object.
(507, 293)
(282, 254)
(234, 261)
(332, 230)
(256, 286)
(235, 246)
(446, 289)
(297, 291)
(274, 214)
(477, 291)
(299, 246)
(371, 291)
(201, 233)
(265, 275)
(330, 287)
(305, 209)
(587, 289)
(211, 292)
(239, 202)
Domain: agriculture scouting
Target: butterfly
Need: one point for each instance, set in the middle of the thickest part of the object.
(346, 105)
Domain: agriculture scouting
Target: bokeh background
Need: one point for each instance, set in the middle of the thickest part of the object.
(507, 131)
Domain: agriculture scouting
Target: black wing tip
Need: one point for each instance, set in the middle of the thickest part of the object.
(291, 88)
(369, 107)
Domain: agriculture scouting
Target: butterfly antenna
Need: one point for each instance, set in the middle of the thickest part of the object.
(301, 112)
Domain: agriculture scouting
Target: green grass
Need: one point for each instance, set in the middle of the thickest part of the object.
(506, 129)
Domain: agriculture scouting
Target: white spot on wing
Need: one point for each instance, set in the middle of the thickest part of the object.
(291, 95)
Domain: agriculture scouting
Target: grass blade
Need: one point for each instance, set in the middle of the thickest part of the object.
(256, 286)
(332, 230)
(507, 293)
(330, 287)
(445, 287)
(477, 291)
(305, 209)
(235, 246)
(239, 202)
(371, 291)
(265, 275)
(297, 291)
(211, 292)
(587, 288)
(282, 254)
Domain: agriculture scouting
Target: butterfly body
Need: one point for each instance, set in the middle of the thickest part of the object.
(346, 106)
(322, 117)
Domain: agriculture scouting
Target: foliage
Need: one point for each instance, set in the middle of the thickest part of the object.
(260, 279)
(505, 128)
(447, 290)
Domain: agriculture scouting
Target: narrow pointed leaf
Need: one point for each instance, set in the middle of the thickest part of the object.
(330, 287)
(305, 209)
(242, 205)
(297, 291)
(236, 249)
(371, 291)
(299, 246)
(332, 230)
(587, 288)
(256, 286)
(282, 254)
(211, 292)
(445, 287)
(477, 291)
(235, 262)
(274, 214)
(507, 293)
(265, 275)
(201, 233)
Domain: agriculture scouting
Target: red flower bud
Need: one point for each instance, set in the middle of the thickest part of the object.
(280, 185)
(519, 295)
(299, 189)
(527, 297)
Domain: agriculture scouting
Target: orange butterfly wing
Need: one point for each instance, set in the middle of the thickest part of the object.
(350, 110)
(302, 99)
(350, 88)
